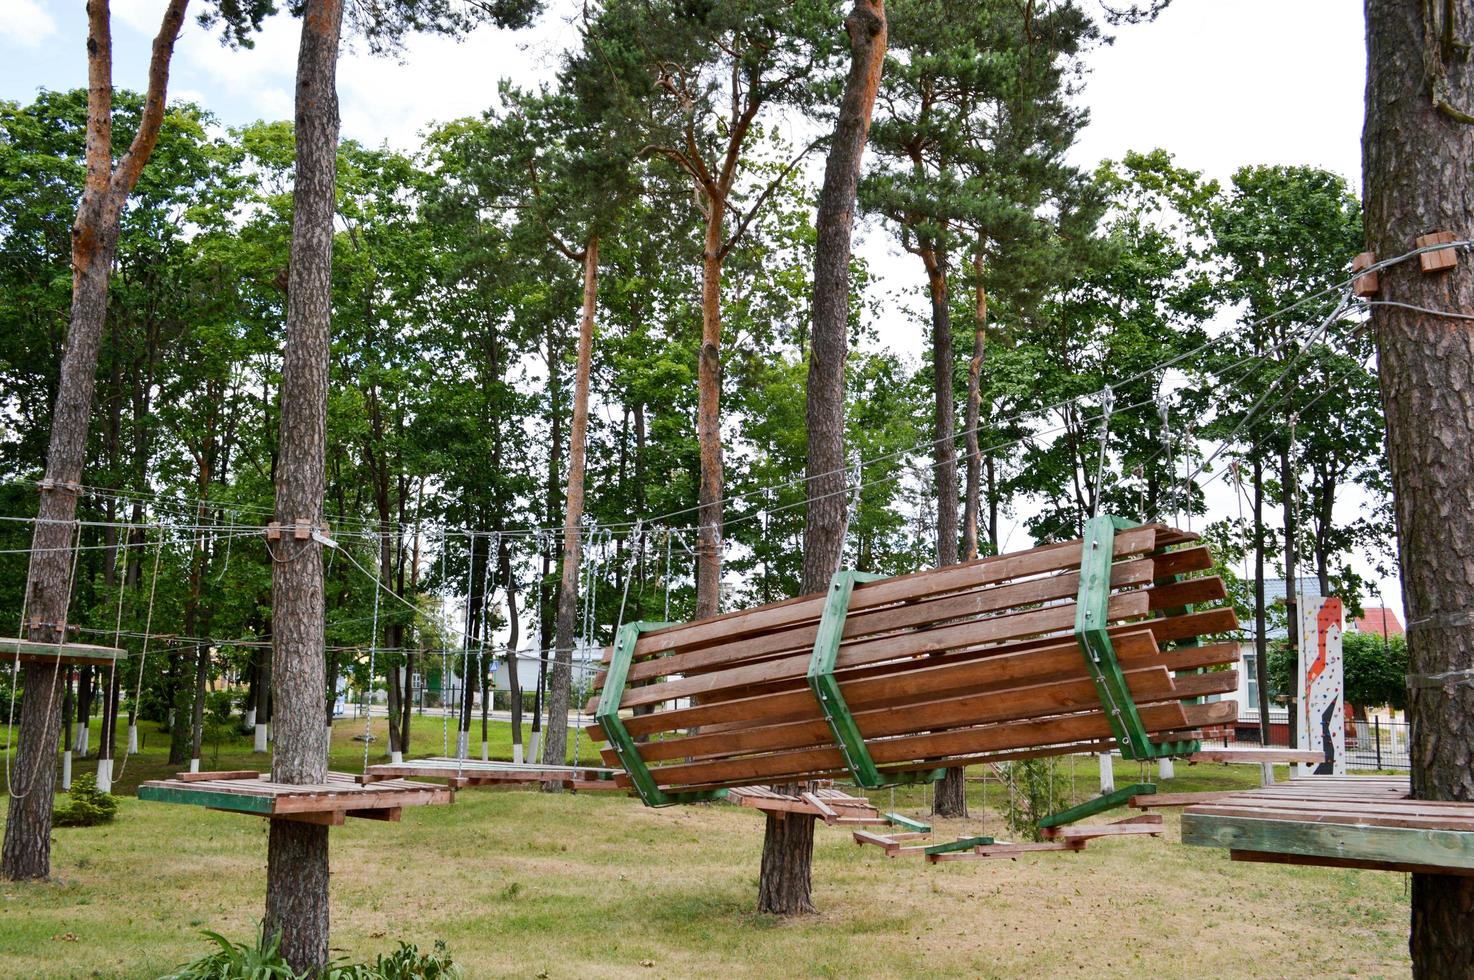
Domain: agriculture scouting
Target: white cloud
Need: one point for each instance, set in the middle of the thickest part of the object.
(24, 23)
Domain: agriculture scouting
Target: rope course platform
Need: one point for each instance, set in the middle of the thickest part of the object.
(1097, 642)
(468, 772)
(327, 803)
(835, 807)
(67, 653)
(1256, 753)
(1364, 822)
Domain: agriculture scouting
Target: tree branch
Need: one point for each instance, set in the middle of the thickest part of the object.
(763, 197)
(129, 168)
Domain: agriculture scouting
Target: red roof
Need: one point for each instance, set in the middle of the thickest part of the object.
(1379, 620)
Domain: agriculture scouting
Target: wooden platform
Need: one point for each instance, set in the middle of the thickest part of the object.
(67, 653)
(833, 806)
(1256, 753)
(473, 772)
(326, 803)
(1338, 821)
(972, 663)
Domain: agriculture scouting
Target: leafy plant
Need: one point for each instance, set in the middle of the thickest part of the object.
(1036, 788)
(86, 805)
(263, 961)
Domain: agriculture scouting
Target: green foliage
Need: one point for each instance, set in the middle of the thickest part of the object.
(263, 960)
(1375, 669)
(1036, 788)
(86, 805)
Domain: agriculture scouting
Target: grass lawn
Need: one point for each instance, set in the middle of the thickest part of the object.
(523, 884)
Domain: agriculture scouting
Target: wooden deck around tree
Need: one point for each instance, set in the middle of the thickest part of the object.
(1359, 822)
(67, 653)
(341, 795)
(474, 772)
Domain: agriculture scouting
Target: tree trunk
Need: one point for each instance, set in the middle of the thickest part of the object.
(555, 743)
(709, 417)
(1261, 641)
(1416, 161)
(785, 883)
(514, 683)
(297, 853)
(974, 494)
(26, 853)
(197, 716)
(950, 799)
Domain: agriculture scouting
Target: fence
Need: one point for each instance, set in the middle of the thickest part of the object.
(1371, 744)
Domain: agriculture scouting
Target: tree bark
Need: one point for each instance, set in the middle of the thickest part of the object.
(514, 683)
(297, 853)
(972, 506)
(1261, 640)
(555, 742)
(785, 883)
(26, 853)
(1416, 161)
(709, 416)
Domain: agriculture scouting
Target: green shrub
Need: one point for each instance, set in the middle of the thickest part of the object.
(264, 961)
(1036, 788)
(86, 805)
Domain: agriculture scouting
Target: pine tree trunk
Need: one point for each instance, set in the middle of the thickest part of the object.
(1417, 160)
(785, 882)
(514, 683)
(297, 853)
(709, 417)
(972, 507)
(26, 853)
(1261, 639)
(555, 744)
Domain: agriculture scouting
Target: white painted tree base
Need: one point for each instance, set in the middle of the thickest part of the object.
(194, 765)
(261, 734)
(537, 738)
(1266, 773)
(132, 739)
(81, 740)
(1107, 774)
(105, 775)
(517, 753)
(485, 752)
(250, 719)
(463, 745)
(66, 770)
(1165, 769)
(396, 757)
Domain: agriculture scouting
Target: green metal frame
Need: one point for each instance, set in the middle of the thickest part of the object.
(1107, 801)
(1100, 654)
(831, 699)
(961, 844)
(624, 745)
(917, 826)
(239, 802)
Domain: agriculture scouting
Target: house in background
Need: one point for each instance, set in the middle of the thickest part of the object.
(1378, 620)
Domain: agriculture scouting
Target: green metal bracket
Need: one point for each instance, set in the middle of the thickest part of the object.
(962, 844)
(917, 826)
(826, 688)
(831, 700)
(1100, 654)
(1100, 804)
(624, 745)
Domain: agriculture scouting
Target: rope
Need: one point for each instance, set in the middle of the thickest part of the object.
(1107, 402)
(148, 627)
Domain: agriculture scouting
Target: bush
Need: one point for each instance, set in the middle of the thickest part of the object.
(1036, 788)
(264, 961)
(86, 805)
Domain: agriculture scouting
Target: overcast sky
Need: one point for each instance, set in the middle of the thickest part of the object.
(1220, 85)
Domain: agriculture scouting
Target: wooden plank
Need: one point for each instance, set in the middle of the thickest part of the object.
(1130, 605)
(901, 588)
(1081, 727)
(13, 648)
(1255, 754)
(1006, 851)
(818, 804)
(1442, 849)
(194, 777)
(1150, 824)
(1334, 862)
(883, 619)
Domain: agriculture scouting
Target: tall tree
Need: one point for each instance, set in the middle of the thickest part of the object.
(27, 848)
(1417, 153)
(785, 883)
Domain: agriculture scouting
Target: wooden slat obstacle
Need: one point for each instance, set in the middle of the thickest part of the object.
(329, 802)
(67, 653)
(1091, 643)
(469, 772)
(834, 807)
(1364, 822)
